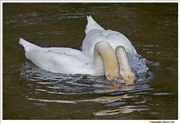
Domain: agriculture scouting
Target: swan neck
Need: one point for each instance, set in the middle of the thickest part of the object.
(104, 57)
(125, 68)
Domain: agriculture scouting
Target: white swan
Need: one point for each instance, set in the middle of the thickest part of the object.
(71, 61)
(121, 44)
(97, 58)
(94, 33)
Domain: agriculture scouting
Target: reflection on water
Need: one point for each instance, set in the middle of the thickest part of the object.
(98, 100)
(80, 83)
(123, 109)
(152, 28)
(59, 84)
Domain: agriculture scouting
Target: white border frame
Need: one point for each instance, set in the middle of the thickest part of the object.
(75, 121)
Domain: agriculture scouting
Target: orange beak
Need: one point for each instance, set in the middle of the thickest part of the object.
(117, 84)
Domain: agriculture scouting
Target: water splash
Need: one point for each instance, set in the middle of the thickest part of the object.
(137, 63)
(139, 67)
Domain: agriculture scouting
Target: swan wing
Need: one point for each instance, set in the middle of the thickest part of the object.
(58, 62)
(57, 59)
(71, 52)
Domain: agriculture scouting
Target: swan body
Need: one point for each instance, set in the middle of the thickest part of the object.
(94, 33)
(71, 61)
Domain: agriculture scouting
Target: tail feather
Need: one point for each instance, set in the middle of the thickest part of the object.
(27, 45)
(92, 24)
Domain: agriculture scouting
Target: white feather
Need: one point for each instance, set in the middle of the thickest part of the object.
(95, 33)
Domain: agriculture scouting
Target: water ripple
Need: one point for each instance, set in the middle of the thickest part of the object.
(77, 89)
(123, 109)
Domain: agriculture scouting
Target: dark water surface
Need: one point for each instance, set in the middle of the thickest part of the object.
(32, 93)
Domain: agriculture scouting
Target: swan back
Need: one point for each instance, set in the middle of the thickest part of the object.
(95, 33)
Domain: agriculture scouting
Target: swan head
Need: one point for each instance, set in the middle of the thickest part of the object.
(114, 77)
(124, 66)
